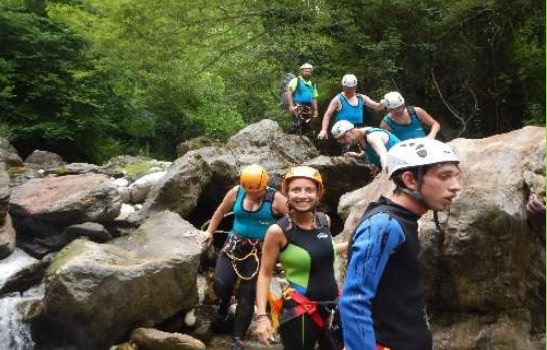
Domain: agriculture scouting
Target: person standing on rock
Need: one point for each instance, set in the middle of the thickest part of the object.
(382, 304)
(255, 206)
(302, 242)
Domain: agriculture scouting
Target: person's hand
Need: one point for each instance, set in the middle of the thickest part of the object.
(352, 154)
(205, 239)
(322, 135)
(292, 110)
(264, 330)
(534, 206)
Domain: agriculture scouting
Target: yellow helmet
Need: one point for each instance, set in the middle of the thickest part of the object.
(253, 178)
(303, 171)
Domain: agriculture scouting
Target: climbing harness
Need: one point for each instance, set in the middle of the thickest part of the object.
(303, 111)
(240, 249)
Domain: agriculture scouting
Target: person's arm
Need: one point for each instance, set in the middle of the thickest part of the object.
(314, 102)
(428, 120)
(334, 106)
(377, 140)
(224, 207)
(377, 106)
(273, 241)
(279, 205)
(374, 241)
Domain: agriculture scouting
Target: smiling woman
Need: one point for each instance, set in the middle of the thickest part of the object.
(302, 242)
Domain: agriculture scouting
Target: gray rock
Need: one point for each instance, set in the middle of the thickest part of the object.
(45, 159)
(67, 200)
(100, 292)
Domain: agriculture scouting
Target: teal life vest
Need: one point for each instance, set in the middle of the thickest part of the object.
(409, 131)
(353, 114)
(253, 224)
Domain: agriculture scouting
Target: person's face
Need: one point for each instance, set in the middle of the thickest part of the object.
(349, 90)
(306, 73)
(345, 139)
(255, 192)
(440, 186)
(302, 194)
(398, 110)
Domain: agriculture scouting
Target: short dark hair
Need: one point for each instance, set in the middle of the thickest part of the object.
(418, 173)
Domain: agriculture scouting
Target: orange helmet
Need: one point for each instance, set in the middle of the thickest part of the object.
(253, 178)
(303, 171)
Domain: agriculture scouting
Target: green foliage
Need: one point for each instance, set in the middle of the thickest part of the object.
(90, 79)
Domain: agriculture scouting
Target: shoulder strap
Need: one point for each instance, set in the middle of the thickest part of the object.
(387, 119)
(321, 220)
(269, 195)
(411, 111)
(283, 223)
(297, 84)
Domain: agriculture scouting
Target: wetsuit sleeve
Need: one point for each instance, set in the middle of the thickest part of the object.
(373, 242)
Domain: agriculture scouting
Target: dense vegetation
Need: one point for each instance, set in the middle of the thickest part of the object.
(94, 78)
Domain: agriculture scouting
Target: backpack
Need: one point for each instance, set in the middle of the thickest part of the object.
(285, 79)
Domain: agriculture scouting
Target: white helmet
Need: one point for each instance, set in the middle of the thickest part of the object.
(393, 99)
(413, 153)
(306, 66)
(340, 128)
(349, 80)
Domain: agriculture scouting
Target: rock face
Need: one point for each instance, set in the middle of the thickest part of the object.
(9, 155)
(206, 169)
(7, 233)
(100, 292)
(485, 276)
(67, 200)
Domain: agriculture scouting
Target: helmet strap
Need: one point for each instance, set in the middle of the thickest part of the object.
(417, 193)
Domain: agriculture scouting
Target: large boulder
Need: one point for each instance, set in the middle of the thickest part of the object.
(181, 186)
(487, 261)
(100, 292)
(44, 159)
(67, 200)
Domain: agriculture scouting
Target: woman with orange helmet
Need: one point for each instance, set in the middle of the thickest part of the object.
(255, 206)
(302, 242)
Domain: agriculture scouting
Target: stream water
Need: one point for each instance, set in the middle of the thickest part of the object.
(14, 332)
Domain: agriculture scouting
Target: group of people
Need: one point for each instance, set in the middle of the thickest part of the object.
(381, 303)
(401, 122)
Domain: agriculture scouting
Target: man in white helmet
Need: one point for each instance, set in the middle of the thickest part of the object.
(382, 304)
(301, 99)
(348, 105)
(407, 122)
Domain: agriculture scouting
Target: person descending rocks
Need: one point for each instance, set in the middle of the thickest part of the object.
(255, 206)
